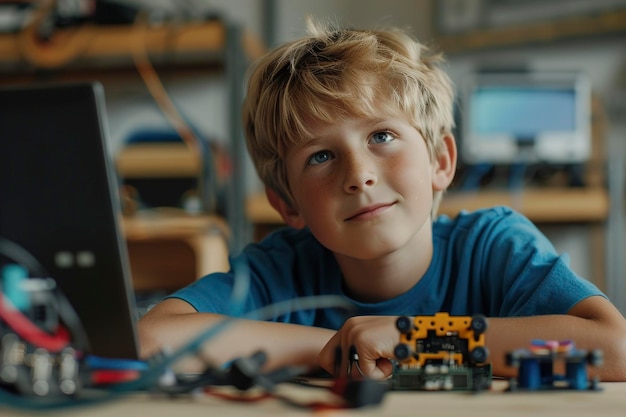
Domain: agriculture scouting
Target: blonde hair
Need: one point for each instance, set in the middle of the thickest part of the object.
(341, 73)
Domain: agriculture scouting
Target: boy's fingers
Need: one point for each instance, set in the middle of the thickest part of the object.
(365, 367)
(325, 363)
(385, 366)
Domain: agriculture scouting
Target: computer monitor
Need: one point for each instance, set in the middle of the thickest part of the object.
(59, 202)
(525, 117)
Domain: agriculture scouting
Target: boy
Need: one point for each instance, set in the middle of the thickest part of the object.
(350, 131)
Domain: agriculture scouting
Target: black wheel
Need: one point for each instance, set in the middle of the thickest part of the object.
(479, 354)
(594, 384)
(481, 382)
(404, 324)
(401, 352)
(511, 359)
(479, 324)
(595, 357)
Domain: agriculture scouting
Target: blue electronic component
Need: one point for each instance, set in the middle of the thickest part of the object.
(13, 275)
(536, 366)
(98, 362)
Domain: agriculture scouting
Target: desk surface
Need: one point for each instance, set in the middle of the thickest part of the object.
(611, 401)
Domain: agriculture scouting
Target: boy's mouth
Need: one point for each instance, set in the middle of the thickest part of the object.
(369, 212)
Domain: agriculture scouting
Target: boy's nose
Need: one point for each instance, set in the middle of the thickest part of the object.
(360, 174)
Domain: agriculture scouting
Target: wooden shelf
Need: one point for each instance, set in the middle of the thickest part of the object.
(546, 205)
(171, 225)
(541, 205)
(88, 45)
(606, 23)
(158, 160)
(168, 251)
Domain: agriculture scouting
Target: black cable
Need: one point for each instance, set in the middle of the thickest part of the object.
(243, 374)
(20, 255)
(71, 320)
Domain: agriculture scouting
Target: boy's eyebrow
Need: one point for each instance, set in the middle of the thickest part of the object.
(372, 121)
(305, 143)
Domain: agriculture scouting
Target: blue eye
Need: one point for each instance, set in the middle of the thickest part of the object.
(319, 158)
(382, 137)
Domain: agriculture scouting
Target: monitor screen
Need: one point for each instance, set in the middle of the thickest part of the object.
(526, 117)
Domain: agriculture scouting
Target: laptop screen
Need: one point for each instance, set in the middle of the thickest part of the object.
(59, 202)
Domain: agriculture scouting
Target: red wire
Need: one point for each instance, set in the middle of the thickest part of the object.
(113, 376)
(26, 329)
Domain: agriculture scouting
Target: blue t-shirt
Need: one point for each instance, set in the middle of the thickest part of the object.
(493, 262)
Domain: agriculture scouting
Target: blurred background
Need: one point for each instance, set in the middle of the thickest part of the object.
(173, 73)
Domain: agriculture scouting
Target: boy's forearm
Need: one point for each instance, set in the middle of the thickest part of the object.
(284, 344)
(507, 334)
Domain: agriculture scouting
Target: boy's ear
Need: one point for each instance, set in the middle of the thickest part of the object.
(290, 215)
(444, 165)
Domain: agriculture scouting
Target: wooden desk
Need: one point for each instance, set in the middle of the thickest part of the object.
(169, 251)
(611, 401)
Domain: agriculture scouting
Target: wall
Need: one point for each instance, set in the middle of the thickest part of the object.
(413, 15)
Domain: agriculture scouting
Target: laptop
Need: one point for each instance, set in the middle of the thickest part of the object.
(59, 202)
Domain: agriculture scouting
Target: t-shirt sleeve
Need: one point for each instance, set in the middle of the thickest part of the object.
(210, 294)
(255, 279)
(556, 293)
(282, 267)
(525, 272)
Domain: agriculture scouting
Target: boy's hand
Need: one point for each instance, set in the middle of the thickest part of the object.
(372, 337)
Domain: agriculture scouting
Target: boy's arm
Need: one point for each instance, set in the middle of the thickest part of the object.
(593, 323)
(173, 322)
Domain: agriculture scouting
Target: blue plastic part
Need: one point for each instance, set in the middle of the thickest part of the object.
(99, 362)
(576, 374)
(12, 277)
(529, 375)
(536, 368)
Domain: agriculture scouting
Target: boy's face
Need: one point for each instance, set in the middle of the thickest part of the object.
(364, 187)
